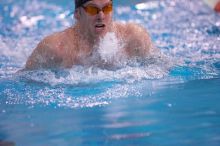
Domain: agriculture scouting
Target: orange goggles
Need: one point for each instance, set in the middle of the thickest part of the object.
(92, 10)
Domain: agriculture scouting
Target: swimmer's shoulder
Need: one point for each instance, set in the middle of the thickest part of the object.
(51, 51)
(119, 27)
(129, 28)
(58, 41)
(136, 29)
(137, 39)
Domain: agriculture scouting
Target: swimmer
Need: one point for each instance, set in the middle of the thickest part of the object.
(76, 43)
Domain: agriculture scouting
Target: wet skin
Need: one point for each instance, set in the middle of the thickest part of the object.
(71, 46)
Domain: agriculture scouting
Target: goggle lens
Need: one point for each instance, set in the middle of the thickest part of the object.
(92, 10)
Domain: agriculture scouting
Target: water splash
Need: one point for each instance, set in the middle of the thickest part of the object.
(191, 51)
(110, 48)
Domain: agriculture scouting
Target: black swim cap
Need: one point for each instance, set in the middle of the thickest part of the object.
(79, 3)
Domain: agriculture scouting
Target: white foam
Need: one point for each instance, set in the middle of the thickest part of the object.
(135, 70)
(110, 49)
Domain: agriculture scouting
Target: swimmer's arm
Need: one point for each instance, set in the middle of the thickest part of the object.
(139, 41)
(44, 56)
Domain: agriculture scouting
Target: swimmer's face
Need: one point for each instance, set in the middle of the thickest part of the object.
(95, 17)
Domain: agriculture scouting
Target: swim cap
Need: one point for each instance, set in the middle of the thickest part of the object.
(79, 3)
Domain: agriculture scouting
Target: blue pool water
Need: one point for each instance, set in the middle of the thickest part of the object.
(167, 99)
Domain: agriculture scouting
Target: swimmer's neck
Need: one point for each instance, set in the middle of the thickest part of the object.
(91, 40)
(84, 35)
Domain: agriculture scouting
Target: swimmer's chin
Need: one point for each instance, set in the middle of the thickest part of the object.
(100, 33)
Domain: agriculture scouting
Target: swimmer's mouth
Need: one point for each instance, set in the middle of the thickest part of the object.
(99, 25)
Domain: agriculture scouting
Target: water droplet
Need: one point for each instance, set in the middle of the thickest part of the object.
(169, 105)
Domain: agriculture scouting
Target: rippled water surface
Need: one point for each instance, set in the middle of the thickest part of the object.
(169, 98)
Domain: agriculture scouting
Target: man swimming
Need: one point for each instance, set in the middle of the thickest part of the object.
(75, 44)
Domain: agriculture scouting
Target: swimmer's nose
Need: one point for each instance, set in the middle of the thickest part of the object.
(100, 15)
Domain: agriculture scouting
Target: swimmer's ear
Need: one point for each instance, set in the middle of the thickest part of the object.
(76, 14)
